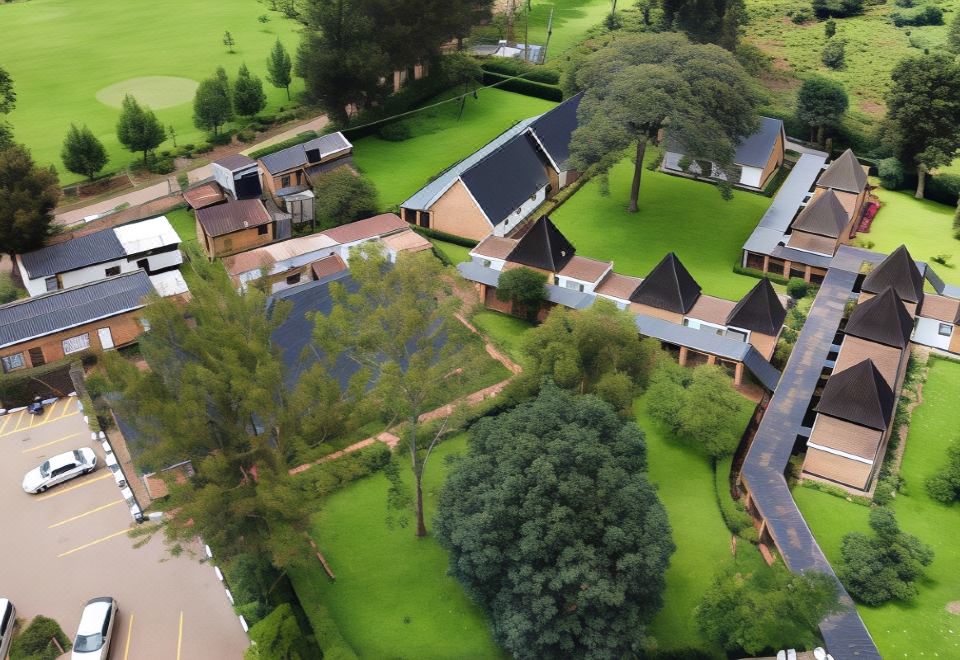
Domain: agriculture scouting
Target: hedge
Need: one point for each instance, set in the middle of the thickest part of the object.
(943, 188)
(521, 86)
(35, 642)
(445, 237)
(734, 514)
(328, 635)
(300, 138)
(759, 274)
(511, 67)
(19, 388)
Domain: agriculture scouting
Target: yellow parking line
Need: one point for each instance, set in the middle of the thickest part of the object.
(52, 442)
(92, 543)
(180, 635)
(66, 407)
(6, 420)
(22, 414)
(126, 647)
(86, 513)
(46, 421)
(107, 475)
(48, 413)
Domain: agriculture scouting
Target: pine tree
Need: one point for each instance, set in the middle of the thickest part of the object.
(279, 67)
(248, 96)
(33, 192)
(82, 152)
(138, 129)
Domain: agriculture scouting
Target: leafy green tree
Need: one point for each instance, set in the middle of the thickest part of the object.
(343, 196)
(229, 41)
(28, 195)
(767, 610)
(885, 566)
(821, 103)
(211, 105)
(640, 84)
(280, 67)
(944, 486)
(554, 529)
(400, 329)
(953, 35)
(36, 642)
(248, 96)
(8, 100)
(714, 22)
(923, 113)
(525, 288)
(278, 637)
(834, 54)
(138, 129)
(82, 152)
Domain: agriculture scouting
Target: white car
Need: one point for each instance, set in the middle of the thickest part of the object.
(8, 618)
(60, 468)
(95, 629)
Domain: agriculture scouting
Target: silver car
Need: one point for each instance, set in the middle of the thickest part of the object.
(95, 629)
(60, 468)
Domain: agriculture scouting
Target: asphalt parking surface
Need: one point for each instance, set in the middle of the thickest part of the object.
(70, 544)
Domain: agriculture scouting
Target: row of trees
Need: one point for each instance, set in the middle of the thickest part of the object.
(216, 102)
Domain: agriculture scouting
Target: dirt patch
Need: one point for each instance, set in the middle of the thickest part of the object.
(953, 607)
(872, 108)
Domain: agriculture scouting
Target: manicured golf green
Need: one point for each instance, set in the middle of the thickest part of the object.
(440, 137)
(72, 62)
(675, 214)
(923, 627)
(392, 597)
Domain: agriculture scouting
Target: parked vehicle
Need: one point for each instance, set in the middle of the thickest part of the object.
(95, 630)
(8, 618)
(60, 468)
(36, 406)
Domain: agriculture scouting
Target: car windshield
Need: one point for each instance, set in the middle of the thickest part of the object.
(87, 643)
(45, 468)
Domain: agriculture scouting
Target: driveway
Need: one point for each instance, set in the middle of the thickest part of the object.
(70, 544)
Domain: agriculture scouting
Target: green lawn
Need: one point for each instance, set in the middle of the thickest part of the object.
(925, 227)
(923, 627)
(439, 140)
(505, 331)
(184, 224)
(62, 53)
(571, 20)
(392, 597)
(675, 214)
(455, 253)
(686, 486)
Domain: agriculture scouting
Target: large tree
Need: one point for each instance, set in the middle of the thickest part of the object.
(923, 113)
(28, 195)
(524, 288)
(248, 96)
(279, 67)
(343, 196)
(821, 103)
(400, 328)
(138, 129)
(641, 84)
(8, 100)
(706, 21)
(212, 106)
(554, 529)
(82, 152)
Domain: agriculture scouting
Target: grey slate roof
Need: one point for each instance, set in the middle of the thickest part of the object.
(760, 310)
(477, 272)
(554, 128)
(755, 150)
(898, 270)
(844, 173)
(296, 156)
(561, 295)
(859, 395)
(59, 310)
(824, 216)
(507, 178)
(88, 250)
(882, 319)
(669, 286)
(543, 246)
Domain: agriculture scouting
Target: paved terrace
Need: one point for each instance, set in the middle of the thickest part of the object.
(844, 633)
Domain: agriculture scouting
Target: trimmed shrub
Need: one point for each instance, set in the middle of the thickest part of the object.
(247, 135)
(891, 173)
(943, 188)
(203, 148)
(221, 138)
(397, 131)
(328, 635)
(734, 513)
(834, 54)
(162, 166)
(278, 637)
(35, 642)
(829, 28)
(797, 287)
(445, 237)
(521, 86)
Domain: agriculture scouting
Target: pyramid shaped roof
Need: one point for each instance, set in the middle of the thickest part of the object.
(543, 247)
(824, 216)
(899, 271)
(669, 286)
(844, 173)
(760, 310)
(859, 395)
(883, 319)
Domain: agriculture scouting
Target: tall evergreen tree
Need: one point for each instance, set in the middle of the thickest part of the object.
(248, 96)
(82, 152)
(280, 67)
(138, 129)
(28, 195)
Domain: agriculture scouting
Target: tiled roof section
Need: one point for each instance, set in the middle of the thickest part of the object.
(859, 395)
(367, 228)
(711, 309)
(619, 286)
(554, 128)
(838, 468)
(669, 286)
(882, 319)
(844, 173)
(232, 216)
(504, 180)
(899, 271)
(301, 154)
(585, 269)
(941, 308)
(824, 216)
(59, 310)
(755, 150)
(205, 195)
(801, 240)
(544, 247)
(885, 358)
(73, 254)
(760, 310)
(406, 241)
(495, 247)
(235, 162)
(327, 266)
(846, 437)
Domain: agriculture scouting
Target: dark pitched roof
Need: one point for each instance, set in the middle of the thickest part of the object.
(755, 150)
(543, 246)
(300, 154)
(76, 253)
(555, 127)
(669, 286)
(900, 271)
(506, 178)
(859, 395)
(824, 216)
(59, 310)
(760, 310)
(232, 216)
(882, 319)
(844, 173)
(235, 162)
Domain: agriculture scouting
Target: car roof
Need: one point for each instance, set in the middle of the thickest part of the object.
(61, 459)
(3, 604)
(94, 612)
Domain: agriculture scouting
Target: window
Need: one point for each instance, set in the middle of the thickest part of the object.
(78, 343)
(285, 182)
(293, 279)
(13, 362)
(576, 286)
(36, 356)
(113, 270)
(262, 230)
(52, 283)
(945, 330)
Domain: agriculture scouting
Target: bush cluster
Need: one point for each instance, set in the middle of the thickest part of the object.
(944, 486)
(397, 131)
(834, 54)
(35, 642)
(513, 67)
(916, 16)
(798, 288)
(837, 8)
(733, 511)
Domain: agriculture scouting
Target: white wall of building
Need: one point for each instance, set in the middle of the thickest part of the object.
(515, 218)
(225, 177)
(99, 271)
(575, 284)
(751, 176)
(489, 262)
(927, 333)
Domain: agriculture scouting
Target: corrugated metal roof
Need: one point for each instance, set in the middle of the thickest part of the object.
(477, 272)
(367, 228)
(79, 252)
(232, 216)
(569, 297)
(235, 162)
(755, 150)
(59, 310)
(146, 235)
(296, 156)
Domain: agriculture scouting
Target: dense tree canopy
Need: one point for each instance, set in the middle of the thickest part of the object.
(944, 485)
(8, 99)
(885, 566)
(343, 196)
(212, 105)
(525, 288)
(82, 152)
(248, 95)
(837, 8)
(28, 195)
(640, 84)
(138, 129)
(706, 21)
(821, 103)
(554, 529)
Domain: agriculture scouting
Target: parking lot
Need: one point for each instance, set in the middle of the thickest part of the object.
(70, 544)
